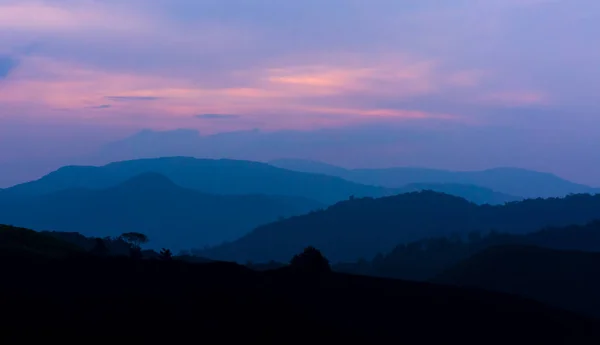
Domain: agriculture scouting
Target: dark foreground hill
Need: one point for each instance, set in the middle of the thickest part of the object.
(427, 258)
(172, 216)
(29, 243)
(362, 228)
(222, 176)
(567, 279)
(510, 181)
(107, 299)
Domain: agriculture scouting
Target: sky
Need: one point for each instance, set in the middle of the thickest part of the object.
(488, 82)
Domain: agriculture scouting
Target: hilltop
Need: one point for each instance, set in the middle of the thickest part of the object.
(475, 194)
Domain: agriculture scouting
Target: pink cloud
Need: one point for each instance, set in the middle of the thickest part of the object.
(78, 88)
(217, 59)
(37, 16)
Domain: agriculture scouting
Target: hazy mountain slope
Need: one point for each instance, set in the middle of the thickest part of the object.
(526, 183)
(170, 215)
(511, 181)
(359, 228)
(231, 177)
(310, 166)
(568, 279)
(473, 193)
(67, 177)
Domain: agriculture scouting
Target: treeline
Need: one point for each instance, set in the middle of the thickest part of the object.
(54, 244)
(425, 259)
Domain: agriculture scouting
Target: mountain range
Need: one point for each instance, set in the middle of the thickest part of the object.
(363, 227)
(184, 202)
(235, 177)
(510, 181)
(172, 216)
(223, 176)
(327, 184)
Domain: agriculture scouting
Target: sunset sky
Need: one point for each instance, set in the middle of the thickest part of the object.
(92, 71)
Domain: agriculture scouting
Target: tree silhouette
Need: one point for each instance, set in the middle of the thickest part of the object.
(135, 241)
(166, 254)
(310, 260)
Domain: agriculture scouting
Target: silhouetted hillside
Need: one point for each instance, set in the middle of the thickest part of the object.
(511, 181)
(114, 245)
(170, 215)
(174, 302)
(568, 279)
(425, 259)
(25, 242)
(223, 176)
(472, 193)
(52, 244)
(364, 227)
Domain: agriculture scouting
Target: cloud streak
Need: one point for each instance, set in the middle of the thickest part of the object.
(132, 98)
(216, 116)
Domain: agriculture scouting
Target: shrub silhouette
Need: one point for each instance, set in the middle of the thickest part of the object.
(166, 254)
(310, 260)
